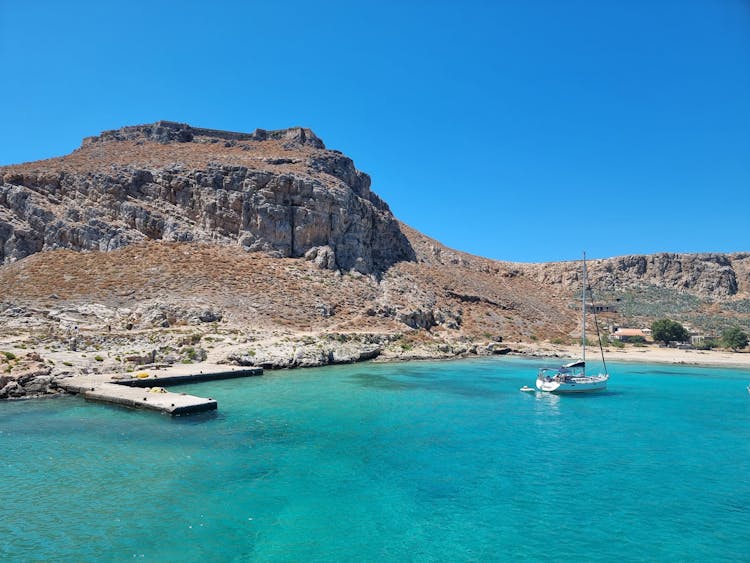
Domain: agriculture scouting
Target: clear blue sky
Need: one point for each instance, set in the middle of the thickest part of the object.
(525, 130)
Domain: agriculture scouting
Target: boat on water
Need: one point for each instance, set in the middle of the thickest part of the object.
(572, 377)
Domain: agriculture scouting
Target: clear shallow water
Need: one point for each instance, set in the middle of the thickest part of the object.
(400, 462)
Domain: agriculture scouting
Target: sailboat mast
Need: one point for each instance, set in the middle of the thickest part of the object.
(583, 312)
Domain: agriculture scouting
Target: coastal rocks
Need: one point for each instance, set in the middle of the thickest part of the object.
(329, 349)
(12, 390)
(312, 351)
(497, 349)
(25, 377)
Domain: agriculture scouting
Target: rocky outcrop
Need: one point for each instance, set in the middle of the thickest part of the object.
(171, 132)
(313, 352)
(708, 275)
(704, 274)
(313, 200)
(25, 377)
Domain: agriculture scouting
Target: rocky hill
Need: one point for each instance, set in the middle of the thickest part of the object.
(280, 192)
(166, 242)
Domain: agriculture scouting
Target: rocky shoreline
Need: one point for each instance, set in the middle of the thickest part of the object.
(31, 365)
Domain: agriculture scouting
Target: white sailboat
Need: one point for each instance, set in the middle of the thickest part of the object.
(572, 378)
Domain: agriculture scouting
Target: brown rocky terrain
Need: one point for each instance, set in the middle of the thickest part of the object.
(165, 243)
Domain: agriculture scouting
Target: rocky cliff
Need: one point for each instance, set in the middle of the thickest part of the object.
(717, 276)
(280, 192)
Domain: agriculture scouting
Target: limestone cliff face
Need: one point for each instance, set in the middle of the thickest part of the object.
(708, 275)
(704, 274)
(280, 192)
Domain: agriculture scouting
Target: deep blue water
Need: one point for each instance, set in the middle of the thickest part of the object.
(389, 462)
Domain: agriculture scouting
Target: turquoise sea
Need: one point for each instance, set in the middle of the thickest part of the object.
(389, 462)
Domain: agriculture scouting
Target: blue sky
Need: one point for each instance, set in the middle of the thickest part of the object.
(526, 130)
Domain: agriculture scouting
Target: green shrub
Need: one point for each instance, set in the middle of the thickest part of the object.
(193, 338)
(98, 358)
(707, 344)
(9, 356)
(734, 338)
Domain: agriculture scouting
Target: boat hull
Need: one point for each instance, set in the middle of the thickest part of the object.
(572, 384)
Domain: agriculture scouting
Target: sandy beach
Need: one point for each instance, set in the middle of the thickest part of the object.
(645, 354)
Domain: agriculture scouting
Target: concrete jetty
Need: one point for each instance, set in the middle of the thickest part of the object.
(166, 402)
(180, 379)
(146, 390)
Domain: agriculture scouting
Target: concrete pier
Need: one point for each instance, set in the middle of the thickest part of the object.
(168, 403)
(149, 393)
(180, 379)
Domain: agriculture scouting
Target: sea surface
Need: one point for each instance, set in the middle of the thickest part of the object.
(438, 461)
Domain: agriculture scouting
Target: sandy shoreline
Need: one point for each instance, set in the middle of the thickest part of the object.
(645, 354)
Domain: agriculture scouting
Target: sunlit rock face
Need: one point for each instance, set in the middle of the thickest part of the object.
(279, 192)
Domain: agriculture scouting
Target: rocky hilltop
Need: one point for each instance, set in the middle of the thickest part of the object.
(166, 243)
(280, 192)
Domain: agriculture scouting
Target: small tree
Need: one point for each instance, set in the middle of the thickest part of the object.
(707, 344)
(665, 330)
(734, 338)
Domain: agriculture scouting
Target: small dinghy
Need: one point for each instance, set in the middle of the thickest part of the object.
(527, 389)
